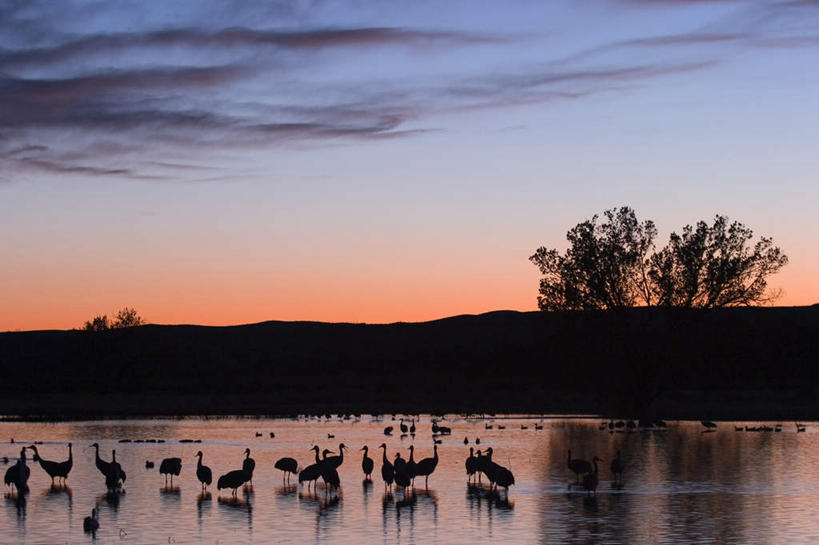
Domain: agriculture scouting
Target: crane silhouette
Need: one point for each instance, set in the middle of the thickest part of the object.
(312, 472)
(402, 478)
(336, 461)
(367, 464)
(18, 474)
(591, 479)
(427, 465)
(471, 465)
(617, 468)
(248, 465)
(388, 430)
(115, 476)
(170, 466)
(403, 426)
(412, 467)
(232, 479)
(91, 524)
(387, 469)
(101, 464)
(578, 466)
(287, 466)
(203, 472)
(54, 469)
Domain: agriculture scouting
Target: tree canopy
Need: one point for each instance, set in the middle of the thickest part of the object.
(126, 317)
(612, 263)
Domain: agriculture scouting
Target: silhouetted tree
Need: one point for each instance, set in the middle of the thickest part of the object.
(97, 323)
(127, 317)
(714, 266)
(612, 264)
(605, 266)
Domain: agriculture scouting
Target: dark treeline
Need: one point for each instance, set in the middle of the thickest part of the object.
(722, 363)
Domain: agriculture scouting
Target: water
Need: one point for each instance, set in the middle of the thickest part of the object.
(680, 485)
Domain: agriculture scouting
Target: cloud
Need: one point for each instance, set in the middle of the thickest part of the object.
(237, 38)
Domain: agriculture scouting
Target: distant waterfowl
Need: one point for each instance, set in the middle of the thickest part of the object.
(501, 427)
(272, 435)
(427, 466)
(578, 466)
(487, 426)
(54, 469)
(367, 464)
(466, 440)
(387, 469)
(203, 472)
(709, 425)
(258, 434)
(170, 466)
(330, 436)
(617, 468)
(538, 426)
(149, 464)
(799, 427)
(591, 479)
(388, 430)
(287, 466)
(18, 474)
(248, 465)
(91, 524)
(477, 440)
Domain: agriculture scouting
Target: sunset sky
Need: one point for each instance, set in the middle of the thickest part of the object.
(224, 162)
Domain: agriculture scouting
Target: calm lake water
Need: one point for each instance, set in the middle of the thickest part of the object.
(680, 485)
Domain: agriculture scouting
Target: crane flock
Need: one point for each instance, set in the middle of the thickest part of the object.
(399, 472)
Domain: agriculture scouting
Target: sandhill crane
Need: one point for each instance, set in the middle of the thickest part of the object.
(312, 472)
(387, 469)
(329, 474)
(101, 464)
(591, 479)
(54, 469)
(617, 468)
(427, 466)
(170, 466)
(412, 468)
(336, 461)
(367, 464)
(471, 464)
(403, 426)
(412, 427)
(18, 474)
(504, 478)
(402, 478)
(578, 466)
(203, 472)
(287, 466)
(233, 479)
(248, 465)
(115, 476)
(91, 524)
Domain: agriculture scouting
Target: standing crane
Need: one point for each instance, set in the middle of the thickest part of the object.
(203, 472)
(367, 464)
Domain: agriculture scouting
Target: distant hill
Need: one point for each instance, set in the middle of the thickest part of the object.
(741, 362)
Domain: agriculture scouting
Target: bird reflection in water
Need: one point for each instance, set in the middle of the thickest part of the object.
(477, 494)
(112, 498)
(286, 490)
(19, 503)
(203, 500)
(58, 490)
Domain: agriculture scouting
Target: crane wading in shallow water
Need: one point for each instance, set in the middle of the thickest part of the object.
(59, 470)
(287, 466)
(249, 465)
(18, 474)
(170, 466)
(203, 472)
(367, 464)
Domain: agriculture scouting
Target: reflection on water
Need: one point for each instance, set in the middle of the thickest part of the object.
(679, 485)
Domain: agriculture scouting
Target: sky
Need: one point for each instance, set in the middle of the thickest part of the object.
(223, 161)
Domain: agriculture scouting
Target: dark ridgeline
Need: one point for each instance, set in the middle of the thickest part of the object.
(715, 364)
